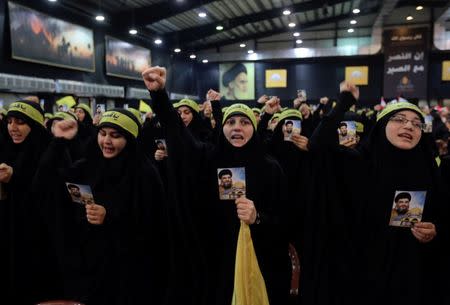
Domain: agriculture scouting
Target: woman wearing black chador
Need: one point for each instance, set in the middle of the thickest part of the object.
(222, 187)
(388, 199)
(113, 250)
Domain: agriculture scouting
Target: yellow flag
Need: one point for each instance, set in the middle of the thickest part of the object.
(249, 285)
(69, 101)
(144, 107)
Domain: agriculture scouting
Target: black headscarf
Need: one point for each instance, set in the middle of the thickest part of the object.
(124, 259)
(20, 231)
(392, 251)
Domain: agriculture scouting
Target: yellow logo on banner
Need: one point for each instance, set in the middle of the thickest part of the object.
(276, 78)
(358, 75)
(446, 70)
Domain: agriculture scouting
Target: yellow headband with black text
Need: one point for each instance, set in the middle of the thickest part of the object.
(240, 109)
(400, 106)
(27, 110)
(121, 120)
(187, 102)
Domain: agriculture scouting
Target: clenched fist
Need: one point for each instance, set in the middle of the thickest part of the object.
(154, 78)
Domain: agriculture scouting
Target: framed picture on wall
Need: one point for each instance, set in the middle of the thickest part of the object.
(358, 75)
(124, 59)
(39, 38)
(446, 70)
(237, 81)
(276, 78)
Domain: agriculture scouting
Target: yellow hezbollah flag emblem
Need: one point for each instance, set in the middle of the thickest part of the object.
(249, 286)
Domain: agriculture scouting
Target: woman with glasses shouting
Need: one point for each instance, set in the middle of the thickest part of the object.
(383, 251)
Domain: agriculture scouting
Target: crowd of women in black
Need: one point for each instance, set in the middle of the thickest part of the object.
(164, 221)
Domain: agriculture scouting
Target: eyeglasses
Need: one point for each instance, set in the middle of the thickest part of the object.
(402, 120)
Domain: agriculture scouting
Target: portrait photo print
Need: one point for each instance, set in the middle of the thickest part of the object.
(231, 182)
(80, 193)
(407, 208)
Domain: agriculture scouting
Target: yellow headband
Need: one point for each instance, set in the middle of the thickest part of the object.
(85, 107)
(136, 113)
(240, 109)
(399, 106)
(65, 116)
(27, 110)
(144, 107)
(290, 113)
(189, 103)
(121, 120)
(256, 110)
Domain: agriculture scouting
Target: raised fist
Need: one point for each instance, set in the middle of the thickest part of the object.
(347, 86)
(154, 78)
(212, 95)
(66, 129)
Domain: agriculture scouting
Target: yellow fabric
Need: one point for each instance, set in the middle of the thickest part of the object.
(256, 110)
(249, 285)
(48, 115)
(187, 102)
(240, 109)
(65, 116)
(359, 127)
(290, 113)
(144, 107)
(136, 113)
(121, 120)
(400, 106)
(69, 101)
(27, 110)
(85, 107)
(438, 161)
(2, 111)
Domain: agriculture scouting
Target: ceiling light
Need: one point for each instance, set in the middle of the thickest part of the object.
(296, 34)
(202, 15)
(242, 45)
(250, 51)
(158, 41)
(286, 12)
(219, 28)
(100, 18)
(291, 25)
(409, 18)
(419, 8)
(353, 22)
(133, 31)
(192, 56)
(52, 0)
(350, 30)
(299, 41)
(205, 61)
(356, 11)
(177, 50)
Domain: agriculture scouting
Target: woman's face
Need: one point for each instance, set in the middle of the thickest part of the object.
(111, 142)
(18, 130)
(238, 130)
(404, 129)
(80, 114)
(185, 114)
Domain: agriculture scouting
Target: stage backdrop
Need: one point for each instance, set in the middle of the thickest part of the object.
(124, 59)
(39, 38)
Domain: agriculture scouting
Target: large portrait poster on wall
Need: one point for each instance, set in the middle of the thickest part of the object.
(406, 62)
(237, 81)
(39, 38)
(126, 60)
